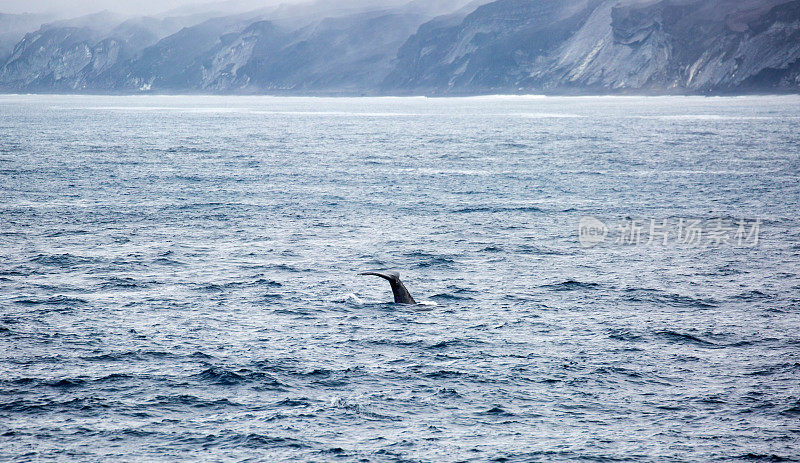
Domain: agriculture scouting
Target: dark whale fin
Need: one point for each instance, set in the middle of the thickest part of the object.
(401, 294)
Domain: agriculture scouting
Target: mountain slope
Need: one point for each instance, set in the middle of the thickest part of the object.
(390, 47)
(337, 54)
(489, 48)
(81, 54)
(13, 28)
(690, 46)
(675, 46)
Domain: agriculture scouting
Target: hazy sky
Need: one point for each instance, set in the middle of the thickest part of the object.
(78, 7)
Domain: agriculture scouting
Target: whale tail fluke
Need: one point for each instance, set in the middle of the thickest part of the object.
(401, 294)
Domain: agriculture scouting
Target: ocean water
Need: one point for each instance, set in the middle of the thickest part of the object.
(178, 279)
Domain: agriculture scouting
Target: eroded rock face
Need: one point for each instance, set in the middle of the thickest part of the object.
(667, 46)
(48, 58)
(13, 28)
(656, 46)
(505, 46)
(74, 56)
(491, 48)
(616, 48)
(335, 54)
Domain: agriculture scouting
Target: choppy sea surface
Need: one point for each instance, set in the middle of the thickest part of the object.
(178, 279)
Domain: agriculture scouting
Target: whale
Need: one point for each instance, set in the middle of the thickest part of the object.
(401, 294)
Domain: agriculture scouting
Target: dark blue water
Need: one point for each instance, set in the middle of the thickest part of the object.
(178, 279)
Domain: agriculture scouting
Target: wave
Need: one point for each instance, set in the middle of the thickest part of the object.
(58, 383)
(497, 411)
(167, 262)
(426, 260)
(536, 250)
(708, 117)
(445, 374)
(234, 440)
(66, 383)
(514, 145)
(752, 295)
(52, 301)
(287, 268)
(88, 405)
(63, 260)
(684, 338)
(222, 377)
(496, 209)
(183, 149)
(264, 282)
(360, 409)
(269, 297)
(570, 285)
(350, 298)
(613, 370)
(449, 297)
(769, 457)
(450, 343)
(254, 440)
(294, 403)
(124, 356)
(190, 401)
(791, 411)
(662, 297)
(447, 392)
(123, 283)
(624, 335)
(492, 249)
(395, 342)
